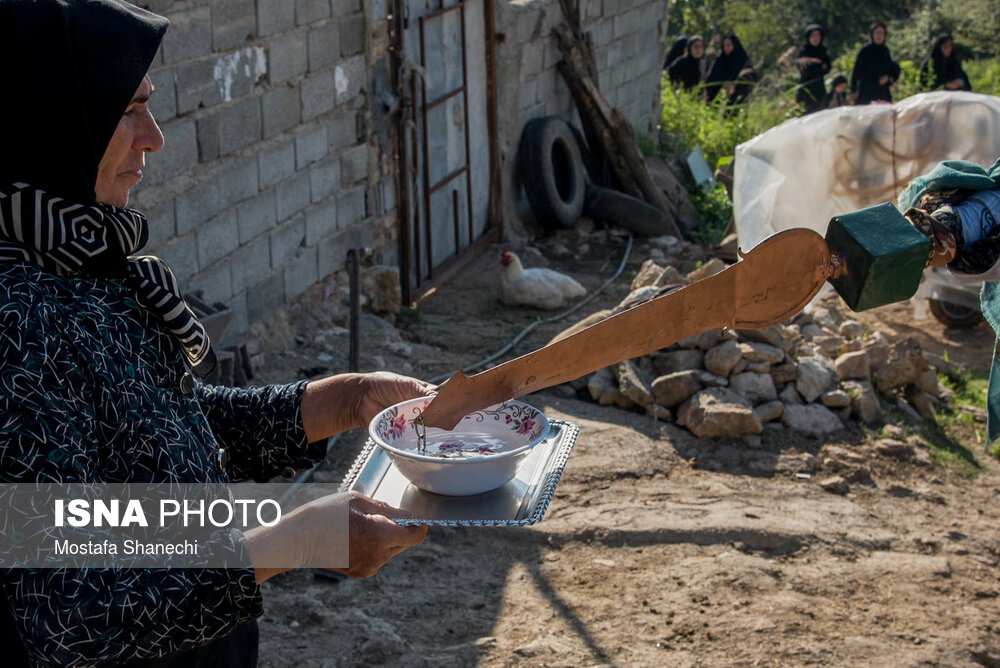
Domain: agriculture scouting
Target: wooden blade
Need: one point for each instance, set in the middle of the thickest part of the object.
(770, 284)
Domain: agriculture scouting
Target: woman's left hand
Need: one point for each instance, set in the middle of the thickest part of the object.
(381, 389)
(349, 400)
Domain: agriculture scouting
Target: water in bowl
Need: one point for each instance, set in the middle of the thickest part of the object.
(464, 446)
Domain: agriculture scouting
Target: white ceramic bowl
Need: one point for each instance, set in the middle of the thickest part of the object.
(479, 455)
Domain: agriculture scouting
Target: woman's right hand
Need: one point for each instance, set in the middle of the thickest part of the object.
(307, 536)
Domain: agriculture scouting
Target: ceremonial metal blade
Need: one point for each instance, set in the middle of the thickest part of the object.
(771, 283)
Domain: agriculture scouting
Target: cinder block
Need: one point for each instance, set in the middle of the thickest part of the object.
(282, 110)
(321, 221)
(310, 145)
(208, 137)
(163, 103)
(197, 204)
(349, 77)
(189, 36)
(236, 72)
(352, 35)
(319, 94)
(590, 9)
(532, 58)
(310, 11)
(333, 251)
(238, 180)
(178, 155)
(343, 131)
(292, 195)
(239, 124)
(286, 240)
(266, 296)
(233, 22)
(161, 223)
(324, 45)
(527, 93)
(215, 282)
(256, 216)
(274, 16)
(181, 255)
(249, 262)
(276, 162)
(602, 31)
(217, 237)
(324, 178)
(351, 207)
(196, 85)
(611, 7)
(301, 272)
(552, 53)
(546, 84)
(239, 325)
(354, 165)
(287, 56)
(385, 197)
(341, 7)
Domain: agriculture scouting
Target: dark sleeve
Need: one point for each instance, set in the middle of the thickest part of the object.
(260, 429)
(856, 71)
(893, 69)
(49, 431)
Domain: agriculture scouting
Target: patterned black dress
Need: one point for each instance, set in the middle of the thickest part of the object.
(90, 391)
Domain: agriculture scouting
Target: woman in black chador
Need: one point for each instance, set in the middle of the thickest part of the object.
(814, 63)
(874, 70)
(677, 49)
(688, 70)
(731, 71)
(942, 69)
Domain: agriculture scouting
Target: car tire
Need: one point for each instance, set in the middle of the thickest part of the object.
(953, 315)
(552, 172)
(612, 206)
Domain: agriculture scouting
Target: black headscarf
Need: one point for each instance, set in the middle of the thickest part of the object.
(873, 62)
(75, 65)
(810, 91)
(686, 70)
(937, 70)
(676, 50)
(727, 69)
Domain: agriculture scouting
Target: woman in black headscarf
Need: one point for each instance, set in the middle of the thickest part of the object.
(874, 70)
(732, 71)
(814, 63)
(677, 49)
(942, 68)
(99, 354)
(689, 70)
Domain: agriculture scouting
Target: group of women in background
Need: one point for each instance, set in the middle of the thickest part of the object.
(871, 79)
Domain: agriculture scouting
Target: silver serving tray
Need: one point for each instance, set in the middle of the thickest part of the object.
(520, 502)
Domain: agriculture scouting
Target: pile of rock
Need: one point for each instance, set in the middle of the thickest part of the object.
(811, 374)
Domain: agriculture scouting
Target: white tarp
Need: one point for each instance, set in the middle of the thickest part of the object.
(807, 170)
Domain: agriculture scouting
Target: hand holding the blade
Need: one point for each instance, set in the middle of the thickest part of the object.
(346, 401)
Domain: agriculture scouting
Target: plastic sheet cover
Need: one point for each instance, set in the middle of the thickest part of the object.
(810, 169)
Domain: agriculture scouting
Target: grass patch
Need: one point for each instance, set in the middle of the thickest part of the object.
(954, 435)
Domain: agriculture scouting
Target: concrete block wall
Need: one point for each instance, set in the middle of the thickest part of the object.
(264, 182)
(627, 37)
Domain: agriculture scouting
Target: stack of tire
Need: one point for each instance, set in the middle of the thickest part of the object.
(551, 158)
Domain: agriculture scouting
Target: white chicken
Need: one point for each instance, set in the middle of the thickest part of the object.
(537, 286)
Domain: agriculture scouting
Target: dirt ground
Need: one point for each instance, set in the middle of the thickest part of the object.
(660, 549)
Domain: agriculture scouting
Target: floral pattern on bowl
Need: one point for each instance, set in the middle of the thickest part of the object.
(520, 418)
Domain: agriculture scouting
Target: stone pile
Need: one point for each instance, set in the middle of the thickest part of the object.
(811, 374)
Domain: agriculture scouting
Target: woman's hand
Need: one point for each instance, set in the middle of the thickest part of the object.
(382, 389)
(346, 401)
(309, 536)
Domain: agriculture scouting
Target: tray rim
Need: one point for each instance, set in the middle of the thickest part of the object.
(547, 485)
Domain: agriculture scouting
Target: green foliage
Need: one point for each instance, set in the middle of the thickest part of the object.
(716, 212)
(984, 75)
